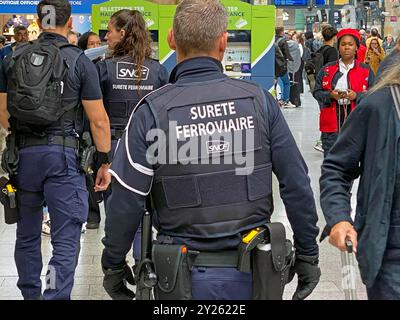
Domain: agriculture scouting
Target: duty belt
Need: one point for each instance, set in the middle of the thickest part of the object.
(24, 141)
(226, 258)
(116, 134)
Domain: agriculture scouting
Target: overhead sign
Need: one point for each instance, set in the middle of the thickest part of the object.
(29, 6)
(291, 2)
(102, 13)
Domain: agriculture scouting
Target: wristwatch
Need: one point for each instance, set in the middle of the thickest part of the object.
(103, 158)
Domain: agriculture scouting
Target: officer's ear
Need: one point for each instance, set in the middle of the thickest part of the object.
(69, 25)
(171, 40)
(223, 43)
(123, 33)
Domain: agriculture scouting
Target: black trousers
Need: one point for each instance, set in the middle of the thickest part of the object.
(328, 140)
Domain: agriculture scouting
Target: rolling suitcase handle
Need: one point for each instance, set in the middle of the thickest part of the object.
(349, 272)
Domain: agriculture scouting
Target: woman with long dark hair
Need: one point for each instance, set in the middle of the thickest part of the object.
(129, 73)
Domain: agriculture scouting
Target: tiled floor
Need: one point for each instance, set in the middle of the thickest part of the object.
(88, 281)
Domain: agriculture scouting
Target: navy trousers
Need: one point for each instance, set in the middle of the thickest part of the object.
(49, 173)
(136, 245)
(221, 284)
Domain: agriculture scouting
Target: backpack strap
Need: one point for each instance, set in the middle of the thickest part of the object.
(61, 45)
(68, 112)
(396, 98)
(279, 41)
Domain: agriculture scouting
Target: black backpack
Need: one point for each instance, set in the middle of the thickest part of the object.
(280, 61)
(317, 61)
(35, 83)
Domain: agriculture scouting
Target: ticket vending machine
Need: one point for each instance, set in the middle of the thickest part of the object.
(250, 52)
(101, 14)
(251, 35)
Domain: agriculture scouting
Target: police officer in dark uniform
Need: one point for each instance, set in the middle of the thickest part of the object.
(130, 73)
(207, 207)
(48, 165)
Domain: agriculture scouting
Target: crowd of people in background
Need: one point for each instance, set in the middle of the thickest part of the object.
(308, 54)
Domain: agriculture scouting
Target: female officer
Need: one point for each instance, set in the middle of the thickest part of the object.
(130, 73)
(338, 86)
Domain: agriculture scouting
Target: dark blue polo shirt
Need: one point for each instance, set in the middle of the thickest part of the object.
(82, 84)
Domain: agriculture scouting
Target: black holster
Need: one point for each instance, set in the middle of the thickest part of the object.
(10, 156)
(86, 153)
(173, 267)
(9, 203)
(271, 262)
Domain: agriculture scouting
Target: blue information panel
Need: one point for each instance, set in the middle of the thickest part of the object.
(291, 2)
(320, 2)
(29, 6)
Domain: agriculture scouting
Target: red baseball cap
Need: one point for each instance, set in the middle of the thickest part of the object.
(349, 32)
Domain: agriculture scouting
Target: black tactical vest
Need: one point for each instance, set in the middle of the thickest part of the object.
(212, 119)
(121, 92)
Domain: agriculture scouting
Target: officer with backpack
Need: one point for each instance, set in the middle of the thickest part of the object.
(50, 84)
(169, 148)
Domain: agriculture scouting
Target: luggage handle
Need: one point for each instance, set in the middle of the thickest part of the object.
(349, 246)
(348, 271)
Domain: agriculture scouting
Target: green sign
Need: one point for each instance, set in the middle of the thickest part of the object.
(239, 15)
(102, 13)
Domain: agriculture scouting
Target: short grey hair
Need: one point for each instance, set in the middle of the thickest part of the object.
(198, 24)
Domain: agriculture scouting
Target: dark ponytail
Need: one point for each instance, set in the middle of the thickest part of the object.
(136, 42)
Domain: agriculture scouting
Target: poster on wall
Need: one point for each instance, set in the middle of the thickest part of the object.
(29, 6)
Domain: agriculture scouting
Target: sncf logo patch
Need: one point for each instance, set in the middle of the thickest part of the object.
(215, 146)
(129, 71)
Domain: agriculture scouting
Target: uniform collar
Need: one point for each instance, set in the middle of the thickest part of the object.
(196, 70)
(52, 36)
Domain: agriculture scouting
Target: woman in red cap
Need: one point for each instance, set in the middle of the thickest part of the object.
(338, 86)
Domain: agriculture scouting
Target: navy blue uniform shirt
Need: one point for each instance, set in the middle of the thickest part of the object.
(82, 85)
(134, 175)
